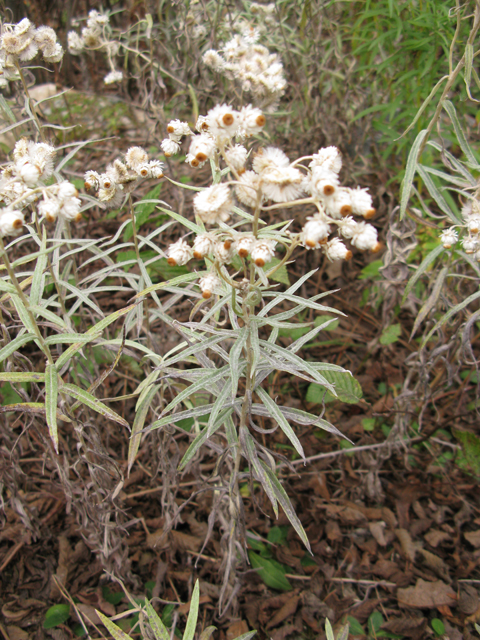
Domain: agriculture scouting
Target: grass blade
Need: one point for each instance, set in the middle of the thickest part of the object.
(410, 171)
(51, 398)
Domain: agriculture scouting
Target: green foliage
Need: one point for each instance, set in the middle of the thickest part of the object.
(468, 457)
(56, 615)
(270, 571)
(391, 334)
(347, 389)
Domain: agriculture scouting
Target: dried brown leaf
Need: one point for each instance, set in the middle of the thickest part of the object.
(285, 612)
(427, 595)
(408, 546)
(436, 537)
(377, 530)
(473, 537)
(236, 629)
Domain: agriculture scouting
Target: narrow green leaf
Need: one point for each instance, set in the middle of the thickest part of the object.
(186, 223)
(462, 140)
(50, 316)
(329, 630)
(454, 310)
(159, 630)
(235, 355)
(6, 286)
(67, 338)
(193, 613)
(430, 302)
(410, 171)
(143, 210)
(38, 282)
(23, 313)
(51, 399)
(282, 497)
(283, 423)
(247, 636)
(206, 382)
(421, 269)
(250, 452)
(435, 193)
(202, 437)
(269, 572)
(188, 277)
(90, 401)
(208, 633)
(424, 105)
(217, 408)
(141, 411)
(116, 632)
(20, 376)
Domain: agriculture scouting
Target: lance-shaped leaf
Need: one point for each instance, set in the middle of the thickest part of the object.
(421, 270)
(347, 387)
(67, 338)
(250, 452)
(298, 344)
(431, 300)
(38, 281)
(410, 170)
(192, 614)
(159, 630)
(116, 632)
(301, 365)
(6, 286)
(270, 572)
(51, 397)
(209, 378)
(23, 313)
(90, 401)
(299, 416)
(235, 355)
(305, 303)
(217, 407)
(462, 140)
(201, 345)
(435, 193)
(277, 415)
(246, 636)
(203, 436)
(454, 310)
(188, 277)
(50, 316)
(141, 410)
(31, 407)
(21, 376)
(284, 500)
(295, 286)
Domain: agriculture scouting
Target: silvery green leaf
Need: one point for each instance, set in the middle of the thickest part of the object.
(81, 296)
(186, 223)
(329, 630)
(209, 378)
(187, 277)
(447, 177)
(202, 345)
(6, 286)
(250, 452)
(191, 413)
(299, 416)
(410, 171)
(217, 407)
(278, 416)
(38, 282)
(21, 376)
(50, 316)
(421, 269)
(90, 401)
(302, 365)
(159, 630)
(284, 500)
(462, 140)
(23, 313)
(298, 344)
(455, 162)
(254, 348)
(193, 613)
(247, 636)
(15, 344)
(51, 397)
(66, 338)
(454, 310)
(295, 286)
(235, 355)
(304, 303)
(435, 193)
(203, 436)
(141, 411)
(116, 632)
(215, 308)
(431, 300)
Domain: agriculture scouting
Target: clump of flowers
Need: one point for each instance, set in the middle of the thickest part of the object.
(97, 36)
(470, 230)
(22, 183)
(249, 63)
(22, 42)
(121, 178)
(271, 178)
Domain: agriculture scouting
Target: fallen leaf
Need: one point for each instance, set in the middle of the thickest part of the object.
(285, 612)
(436, 537)
(89, 614)
(473, 537)
(427, 595)
(236, 629)
(332, 531)
(377, 530)
(408, 546)
(15, 633)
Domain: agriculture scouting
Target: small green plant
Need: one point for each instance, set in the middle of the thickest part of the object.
(342, 632)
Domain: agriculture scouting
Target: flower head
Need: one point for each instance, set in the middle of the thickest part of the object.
(179, 253)
(213, 204)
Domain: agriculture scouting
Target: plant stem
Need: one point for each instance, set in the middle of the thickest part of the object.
(31, 103)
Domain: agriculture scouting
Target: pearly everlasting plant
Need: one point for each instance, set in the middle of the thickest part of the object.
(234, 259)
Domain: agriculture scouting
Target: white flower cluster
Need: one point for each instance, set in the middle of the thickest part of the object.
(21, 43)
(93, 37)
(22, 182)
(216, 132)
(120, 178)
(471, 237)
(251, 64)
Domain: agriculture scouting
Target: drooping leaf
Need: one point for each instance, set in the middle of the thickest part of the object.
(347, 387)
(90, 401)
(141, 411)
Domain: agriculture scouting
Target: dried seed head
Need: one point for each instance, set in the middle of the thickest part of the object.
(228, 119)
(206, 294)
(328, 190)
(201, 157)
(261, 120)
